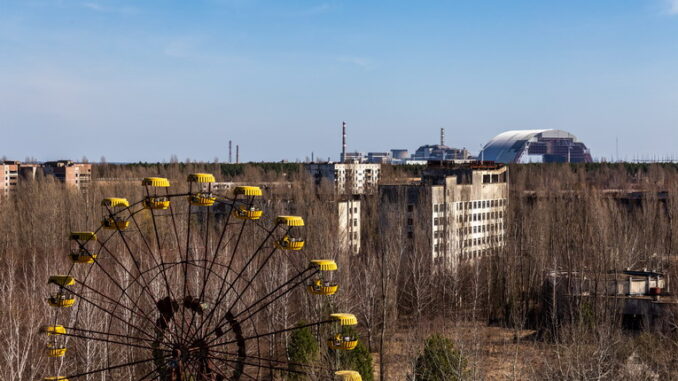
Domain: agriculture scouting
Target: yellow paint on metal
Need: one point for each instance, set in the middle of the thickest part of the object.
(201, 178)
(290, 220)
(112, 202)
(155, 182)
(324, 264)
(61, 280)
(348, 375)
(247, 191)
(345, 319)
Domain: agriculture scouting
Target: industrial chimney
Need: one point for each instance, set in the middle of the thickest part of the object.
(237, 154)
(343, 141)
(442, 136)
(230, 150)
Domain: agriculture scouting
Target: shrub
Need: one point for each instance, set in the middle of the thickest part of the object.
(440, 361)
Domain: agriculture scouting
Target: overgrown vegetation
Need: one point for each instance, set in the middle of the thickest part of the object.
(561, 218)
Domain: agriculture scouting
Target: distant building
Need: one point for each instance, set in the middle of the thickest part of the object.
(548, 146)
(353, 157)
(348, 178)
(349, 224)
(378, 157)
(460, 210)
(10, 177)
(70, 173)
(440, 152)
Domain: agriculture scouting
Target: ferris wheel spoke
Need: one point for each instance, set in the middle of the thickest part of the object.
(256, 365)
(119, 286)
(249, 283)
(221, 294)
(258, 336)
(125, 321)
(233, 365)
(162, 263)
(313, 367)
(125, 365)
(262, 307)
(285, 292)
(109, 341)
(135, 261)
(113, 334)
(149, 374)
(118, 303)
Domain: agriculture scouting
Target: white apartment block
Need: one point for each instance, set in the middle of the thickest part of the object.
(461, 210)
(349, 225)
(348, 178)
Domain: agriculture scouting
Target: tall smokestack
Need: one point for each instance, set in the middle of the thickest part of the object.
(230, 151)
(237, 154)
(343, 141)
(442, 136)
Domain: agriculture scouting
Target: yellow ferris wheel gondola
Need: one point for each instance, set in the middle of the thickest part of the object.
(82, 247)
(55, 330)
(113, 205)
(155, 201)
(55, 351)
(344, 339)
(348, 375)
(321, 286)
(204, 197)
(63, 297)
(55, 378)
(291, 240)
(247, 212)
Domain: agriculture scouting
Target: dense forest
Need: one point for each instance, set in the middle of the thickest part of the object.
(488, 319)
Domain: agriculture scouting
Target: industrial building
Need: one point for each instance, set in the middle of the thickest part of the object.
(457, 210)
(548, 146)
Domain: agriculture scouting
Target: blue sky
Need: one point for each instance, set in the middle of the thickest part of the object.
(142, 80)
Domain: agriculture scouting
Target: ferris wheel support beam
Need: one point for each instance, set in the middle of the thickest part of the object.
(109, 341)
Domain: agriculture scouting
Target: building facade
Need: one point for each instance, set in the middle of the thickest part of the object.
(457, 211)
(348, 178)
(10, 177)
(78, 175)
(349, 224)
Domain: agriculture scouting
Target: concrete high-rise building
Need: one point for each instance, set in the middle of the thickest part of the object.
(459, 210)
(348, 178)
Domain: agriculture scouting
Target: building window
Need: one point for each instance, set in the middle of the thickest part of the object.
(409, 222)
(410, 207)
(435, 221)
(435, 208)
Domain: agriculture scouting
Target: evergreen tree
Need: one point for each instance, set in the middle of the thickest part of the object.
(440, 361)
(302, 349)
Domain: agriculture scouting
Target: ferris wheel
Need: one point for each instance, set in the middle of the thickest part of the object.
(170, 288)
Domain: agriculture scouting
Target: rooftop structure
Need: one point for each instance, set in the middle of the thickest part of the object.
(551, 146)
(70, 173)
